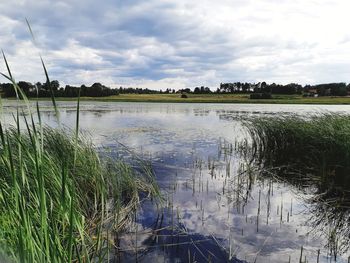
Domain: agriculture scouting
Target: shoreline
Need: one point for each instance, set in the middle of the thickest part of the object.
(210, 98)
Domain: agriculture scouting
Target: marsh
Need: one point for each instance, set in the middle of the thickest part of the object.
(216, 205)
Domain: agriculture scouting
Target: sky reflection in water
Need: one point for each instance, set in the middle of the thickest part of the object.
(210, 210)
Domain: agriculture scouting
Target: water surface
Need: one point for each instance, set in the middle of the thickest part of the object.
(212, 209)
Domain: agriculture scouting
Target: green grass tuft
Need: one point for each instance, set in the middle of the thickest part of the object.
(59, 202)
(54, 209)
(320, 143)
(313, 155)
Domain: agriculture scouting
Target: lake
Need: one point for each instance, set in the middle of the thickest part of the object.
(212, 209)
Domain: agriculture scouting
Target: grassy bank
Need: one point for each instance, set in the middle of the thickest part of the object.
(215, 98)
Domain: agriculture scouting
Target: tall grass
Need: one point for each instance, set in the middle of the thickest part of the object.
(318, 145)
(59, 202)
(313, 155)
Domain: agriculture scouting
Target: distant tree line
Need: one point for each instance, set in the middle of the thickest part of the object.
(262, 89)
(328, 89)
(131, 90)
(96, 90)
(265, 90)
(44, 90)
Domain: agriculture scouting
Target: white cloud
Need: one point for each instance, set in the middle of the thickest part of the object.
(179, 43)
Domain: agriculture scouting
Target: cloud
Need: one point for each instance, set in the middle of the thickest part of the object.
(178, 43)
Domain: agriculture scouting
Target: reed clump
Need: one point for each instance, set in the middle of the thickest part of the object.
(58, 200)
(312, 154)
(317, 145)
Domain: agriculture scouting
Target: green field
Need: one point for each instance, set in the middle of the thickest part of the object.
(216, 98)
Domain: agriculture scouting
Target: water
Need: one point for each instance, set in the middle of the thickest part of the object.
(212, 210)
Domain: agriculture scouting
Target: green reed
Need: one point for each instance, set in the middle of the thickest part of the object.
(312, 154)
(59, 202)
(318, 145)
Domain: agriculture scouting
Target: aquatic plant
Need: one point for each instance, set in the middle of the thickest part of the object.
(318, 145)
(313, 155)
(59, 202)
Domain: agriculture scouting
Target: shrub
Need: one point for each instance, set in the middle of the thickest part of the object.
(260, 96)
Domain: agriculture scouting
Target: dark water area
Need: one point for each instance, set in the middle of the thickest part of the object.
(215, 207)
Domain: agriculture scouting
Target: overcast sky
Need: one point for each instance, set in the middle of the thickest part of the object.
(177, 43)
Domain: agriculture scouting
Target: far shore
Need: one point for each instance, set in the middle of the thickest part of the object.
(213, 98)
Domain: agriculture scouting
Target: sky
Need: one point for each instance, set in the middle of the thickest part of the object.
(176, 44)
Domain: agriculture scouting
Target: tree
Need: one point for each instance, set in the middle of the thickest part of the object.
(8, 90)
(245, 87)
(26, 87)
(55, 85)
